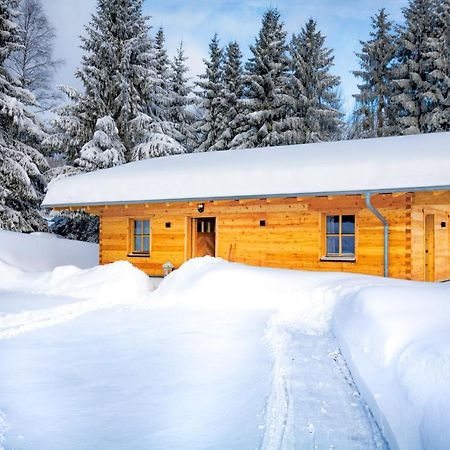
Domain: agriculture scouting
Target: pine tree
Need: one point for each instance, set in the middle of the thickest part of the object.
(211, 98)
(375, 111)
(70, 128)
(117, 72)
(314, 114)
(77, 225)
(104, 150)
(181, 110)
(438, 53)
(233, 88)
(21, 162)
(414, 96)
(266, 87)
(153, 139)
(157, 133)
(161, 97)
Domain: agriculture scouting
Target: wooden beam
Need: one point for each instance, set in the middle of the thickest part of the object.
(432, 198)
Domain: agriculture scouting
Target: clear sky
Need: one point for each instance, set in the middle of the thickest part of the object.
(344, 22)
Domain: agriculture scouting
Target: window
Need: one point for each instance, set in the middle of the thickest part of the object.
(340, 236)
(141, 237)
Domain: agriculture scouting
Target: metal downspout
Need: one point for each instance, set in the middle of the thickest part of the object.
(386, 231)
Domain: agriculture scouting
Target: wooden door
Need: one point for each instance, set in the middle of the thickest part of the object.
(429, 247)
(204, 237)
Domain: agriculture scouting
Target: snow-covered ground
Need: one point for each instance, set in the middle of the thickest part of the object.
(221, 356)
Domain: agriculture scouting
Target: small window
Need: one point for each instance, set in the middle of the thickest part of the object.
(141, 236)
(206, 225)
(340, 236)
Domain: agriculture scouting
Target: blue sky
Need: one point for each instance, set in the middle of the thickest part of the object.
(344, 22)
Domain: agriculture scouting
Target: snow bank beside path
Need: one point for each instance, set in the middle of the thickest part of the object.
(396, 341)
(40, 252)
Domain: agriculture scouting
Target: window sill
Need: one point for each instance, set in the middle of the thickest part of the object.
(351, 259)
(138, 255)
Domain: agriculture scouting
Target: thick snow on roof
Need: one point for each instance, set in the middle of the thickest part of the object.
(383, 164)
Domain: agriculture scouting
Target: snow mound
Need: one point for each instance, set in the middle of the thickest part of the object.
(41, 252)
(111, 282)
(396, 341)
(102, 287)
(298, 297)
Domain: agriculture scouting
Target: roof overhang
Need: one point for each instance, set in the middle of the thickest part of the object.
(255, 196)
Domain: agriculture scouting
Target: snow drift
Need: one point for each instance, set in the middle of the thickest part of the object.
(396, 341)
(100, 287)
(111, 282)
(40, 252)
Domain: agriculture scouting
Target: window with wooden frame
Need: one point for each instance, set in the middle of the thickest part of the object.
(140, 237)
(340, 235)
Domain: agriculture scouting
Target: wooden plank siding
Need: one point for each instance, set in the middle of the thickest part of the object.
(437, 204)
(293, 235)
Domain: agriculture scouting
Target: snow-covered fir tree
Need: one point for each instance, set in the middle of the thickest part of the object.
(153, 138)
(414, 94)
(374, 112)
(233, 88)
(182, 108)
(266, 87)
(21, 162)
(117, 72)
(77, 225)
(211, 98)
(156, 132)
(104, 150)
(70, 130)
(438, 53)
(314, 114)
(161, 96)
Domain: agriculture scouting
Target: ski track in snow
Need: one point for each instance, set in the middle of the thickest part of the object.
(14, 324)
(313, 402)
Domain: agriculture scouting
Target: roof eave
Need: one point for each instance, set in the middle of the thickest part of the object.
(252, 196)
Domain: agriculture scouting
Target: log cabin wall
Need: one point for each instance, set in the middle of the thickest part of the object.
(293, 235)
(436, 204)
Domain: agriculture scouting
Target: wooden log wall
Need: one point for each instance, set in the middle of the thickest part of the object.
(438, 204)
(292, 238)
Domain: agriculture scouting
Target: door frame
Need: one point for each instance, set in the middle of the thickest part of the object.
(191, 230)
(429, 237)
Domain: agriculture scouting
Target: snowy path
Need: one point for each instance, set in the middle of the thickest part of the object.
(314, 403)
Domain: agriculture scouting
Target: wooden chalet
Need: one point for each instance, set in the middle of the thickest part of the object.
(374, 206)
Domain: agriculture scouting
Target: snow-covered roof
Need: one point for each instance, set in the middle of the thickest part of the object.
(405, 163)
